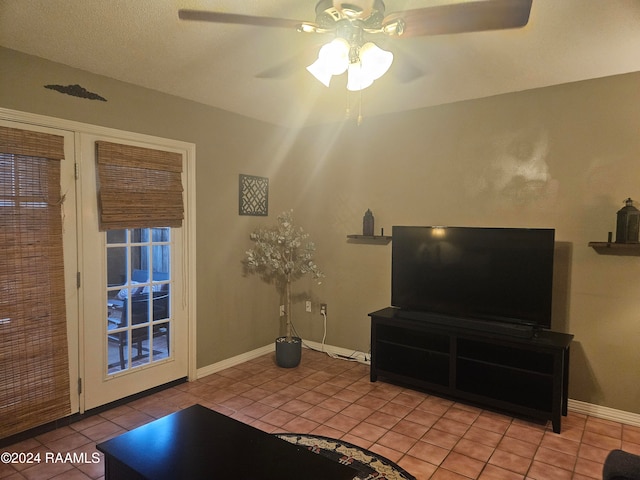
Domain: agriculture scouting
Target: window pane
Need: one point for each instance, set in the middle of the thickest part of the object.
(140, 264)
(116, 236)
(161, 341)
(140, 307)
(116, 266)
(160, 234)
(140, 346)
(161, 262)
(118, 351)
(161, 304)
(115, 312)
(139, 235)
(136, 298)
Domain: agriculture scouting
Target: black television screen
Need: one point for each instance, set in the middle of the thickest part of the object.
(496, 274)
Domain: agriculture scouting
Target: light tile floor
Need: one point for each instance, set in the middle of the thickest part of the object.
(430, 437)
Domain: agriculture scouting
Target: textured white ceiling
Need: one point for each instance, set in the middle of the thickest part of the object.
(143, 42)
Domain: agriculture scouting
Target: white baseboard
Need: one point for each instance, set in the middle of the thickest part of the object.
(577, 406)
(233, 361)
(605, 413)
(339, 352)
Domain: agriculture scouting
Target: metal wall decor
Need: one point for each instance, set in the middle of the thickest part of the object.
(76, 91)
(253, 195)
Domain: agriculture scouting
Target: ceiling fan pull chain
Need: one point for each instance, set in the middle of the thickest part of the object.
(347, 113)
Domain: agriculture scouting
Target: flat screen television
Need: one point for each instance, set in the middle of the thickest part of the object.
(483, 274)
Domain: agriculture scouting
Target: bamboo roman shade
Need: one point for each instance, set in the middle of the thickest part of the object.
(34, 368)
(138, 187)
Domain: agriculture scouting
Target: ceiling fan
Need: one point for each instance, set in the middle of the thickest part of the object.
(353, 22)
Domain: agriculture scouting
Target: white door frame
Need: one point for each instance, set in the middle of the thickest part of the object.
(189, 225)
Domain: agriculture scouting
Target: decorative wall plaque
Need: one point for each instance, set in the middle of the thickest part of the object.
(76, 91)
(254, 195)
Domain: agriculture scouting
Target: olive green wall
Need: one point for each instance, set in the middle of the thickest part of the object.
(562, 157)
(231, 318)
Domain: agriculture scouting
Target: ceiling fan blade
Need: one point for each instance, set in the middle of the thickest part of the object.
(281, 70)
(407, 71)
(238, 19)
(463, 17)
(295, 63)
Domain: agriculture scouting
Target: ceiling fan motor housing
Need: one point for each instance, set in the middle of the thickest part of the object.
(328, 12)
(351, 30)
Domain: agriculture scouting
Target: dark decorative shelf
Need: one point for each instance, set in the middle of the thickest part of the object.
(611, 248)
(370, 238)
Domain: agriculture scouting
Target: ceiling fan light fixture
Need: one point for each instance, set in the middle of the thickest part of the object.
(319, 70)
(375, 61)
(357, 78)
(333, 59)
(394, 28)
(307, 28)
(336, 55)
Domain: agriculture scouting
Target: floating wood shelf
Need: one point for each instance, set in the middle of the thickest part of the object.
(611, 248)
(370, 238)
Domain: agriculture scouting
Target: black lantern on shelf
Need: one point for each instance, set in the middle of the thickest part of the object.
(367, 224)
(628, 223)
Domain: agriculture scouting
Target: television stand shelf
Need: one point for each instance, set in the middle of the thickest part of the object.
(523, 376)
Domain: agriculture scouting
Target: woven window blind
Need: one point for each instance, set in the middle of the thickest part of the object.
(34, 369)
(138, 187)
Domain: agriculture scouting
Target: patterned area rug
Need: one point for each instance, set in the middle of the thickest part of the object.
(370, 466)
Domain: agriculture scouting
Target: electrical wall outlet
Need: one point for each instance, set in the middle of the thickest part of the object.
(323, 309)
(282, 310)
(307, 306)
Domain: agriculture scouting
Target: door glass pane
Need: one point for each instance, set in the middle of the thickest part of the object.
(161, 260)
(137, 234)
(138, 298)
(140, 346)
(161, 340)
(161, 302)
(116, 266)
(116, 236)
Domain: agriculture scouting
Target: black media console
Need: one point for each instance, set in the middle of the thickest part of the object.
(515, 369)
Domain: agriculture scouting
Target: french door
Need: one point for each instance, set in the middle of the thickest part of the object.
(130, 294)
(134, 299)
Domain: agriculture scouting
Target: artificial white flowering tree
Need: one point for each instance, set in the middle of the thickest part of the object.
(282, 254)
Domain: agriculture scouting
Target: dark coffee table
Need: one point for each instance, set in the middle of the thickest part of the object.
(198, 443)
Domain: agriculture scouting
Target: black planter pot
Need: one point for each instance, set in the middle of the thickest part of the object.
(288, 354)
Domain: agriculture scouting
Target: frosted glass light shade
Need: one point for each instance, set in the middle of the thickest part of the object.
(374, 60)
(319, 70)
(358, 78)
(336, 55)
(333, 59)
